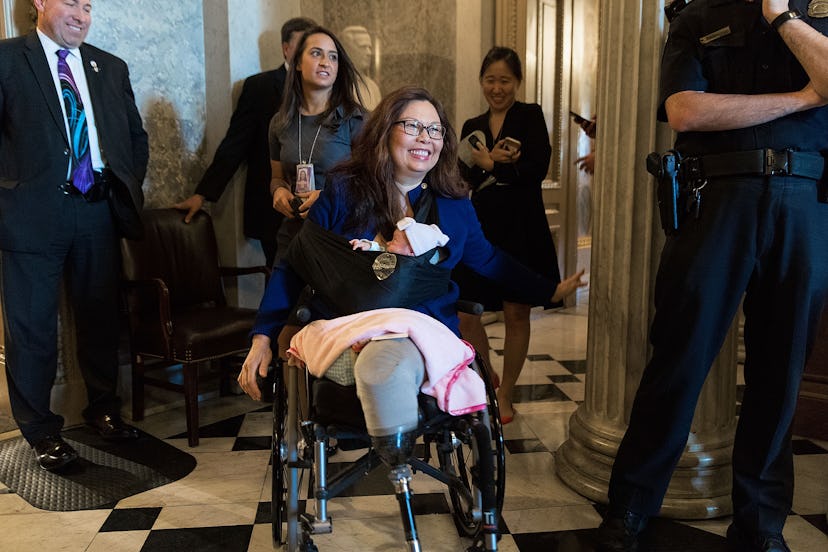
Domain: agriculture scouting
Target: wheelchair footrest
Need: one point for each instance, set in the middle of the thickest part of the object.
(314, 526)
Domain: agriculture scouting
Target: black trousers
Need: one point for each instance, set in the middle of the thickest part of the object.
(765, 239)
(85, 251)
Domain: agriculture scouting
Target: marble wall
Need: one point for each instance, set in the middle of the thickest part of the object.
(409, 47)
(166, 60)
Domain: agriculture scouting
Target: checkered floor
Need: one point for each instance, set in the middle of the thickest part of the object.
(224, 504)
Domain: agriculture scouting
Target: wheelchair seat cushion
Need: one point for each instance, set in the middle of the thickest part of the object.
(342, 369)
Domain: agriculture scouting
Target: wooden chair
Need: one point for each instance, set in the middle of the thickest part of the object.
(176, 306)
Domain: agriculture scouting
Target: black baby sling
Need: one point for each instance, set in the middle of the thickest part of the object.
(348, 281)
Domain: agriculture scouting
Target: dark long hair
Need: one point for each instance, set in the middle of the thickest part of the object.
(344, 92)
(507, 55)
(369, 173)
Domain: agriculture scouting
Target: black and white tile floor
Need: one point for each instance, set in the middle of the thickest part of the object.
(223, 505)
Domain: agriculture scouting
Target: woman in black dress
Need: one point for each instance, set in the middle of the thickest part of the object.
(506, 177)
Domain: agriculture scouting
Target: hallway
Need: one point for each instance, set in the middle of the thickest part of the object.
(223, 505)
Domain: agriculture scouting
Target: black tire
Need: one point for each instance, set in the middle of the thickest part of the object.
(492, 419)
(482, 430)
(278, 504)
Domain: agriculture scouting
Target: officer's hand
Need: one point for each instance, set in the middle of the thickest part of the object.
(281, 201)
(192, 204)
(772, 8)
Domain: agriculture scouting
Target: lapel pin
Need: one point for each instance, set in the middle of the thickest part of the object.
(94, 66)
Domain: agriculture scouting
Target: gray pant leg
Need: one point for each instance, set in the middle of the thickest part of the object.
(388, 375)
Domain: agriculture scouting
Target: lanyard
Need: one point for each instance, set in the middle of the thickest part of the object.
(301, 160)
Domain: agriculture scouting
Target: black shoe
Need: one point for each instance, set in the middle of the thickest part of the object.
(112, 427)
(619, 532)
(53, 453)
(739, 540)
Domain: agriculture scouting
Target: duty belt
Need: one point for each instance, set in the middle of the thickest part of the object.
(760, 162)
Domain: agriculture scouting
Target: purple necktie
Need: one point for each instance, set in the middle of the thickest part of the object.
(82, 177)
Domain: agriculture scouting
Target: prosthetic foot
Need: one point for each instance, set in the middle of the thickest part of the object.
(395, 449)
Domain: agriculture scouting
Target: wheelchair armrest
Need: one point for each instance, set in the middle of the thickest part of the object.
(469, 307)
(245, 270)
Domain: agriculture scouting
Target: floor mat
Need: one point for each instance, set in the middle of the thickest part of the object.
(105, 473)
(7, 423)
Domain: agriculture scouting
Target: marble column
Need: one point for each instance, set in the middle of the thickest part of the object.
(627, 242)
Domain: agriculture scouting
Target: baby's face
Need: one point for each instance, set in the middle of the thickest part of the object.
(399, 244)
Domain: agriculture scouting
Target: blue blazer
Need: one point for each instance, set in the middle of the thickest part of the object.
(466, 245)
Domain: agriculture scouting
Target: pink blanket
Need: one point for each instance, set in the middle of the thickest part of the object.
(449, 379)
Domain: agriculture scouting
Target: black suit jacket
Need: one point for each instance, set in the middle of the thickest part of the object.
(247, 140)
(34, 148)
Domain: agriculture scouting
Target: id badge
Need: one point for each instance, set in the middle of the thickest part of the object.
(304, 178)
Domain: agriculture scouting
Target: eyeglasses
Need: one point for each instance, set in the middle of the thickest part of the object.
(414, 127)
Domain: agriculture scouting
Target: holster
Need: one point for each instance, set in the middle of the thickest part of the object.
(666, 168)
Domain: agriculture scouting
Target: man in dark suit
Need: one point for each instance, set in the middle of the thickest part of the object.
(247, 140)
(69, 130)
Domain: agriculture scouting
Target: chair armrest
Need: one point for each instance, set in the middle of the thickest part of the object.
(245, 270)
(162, 294)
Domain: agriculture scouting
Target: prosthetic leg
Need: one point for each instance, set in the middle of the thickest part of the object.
(395, 450)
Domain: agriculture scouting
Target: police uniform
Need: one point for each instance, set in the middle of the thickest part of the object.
(761, 236)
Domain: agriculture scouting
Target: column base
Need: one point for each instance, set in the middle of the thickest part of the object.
(699, 489)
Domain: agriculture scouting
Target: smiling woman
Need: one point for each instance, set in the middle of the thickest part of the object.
(516, 155)
(404, 163)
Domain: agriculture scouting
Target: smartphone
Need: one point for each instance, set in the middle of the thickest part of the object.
(511, 144)
(295, 203)
(474, 140)
(579, 120)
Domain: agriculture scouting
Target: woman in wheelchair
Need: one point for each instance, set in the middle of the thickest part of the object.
(403, 164)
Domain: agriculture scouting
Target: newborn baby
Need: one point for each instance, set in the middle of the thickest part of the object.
(411, 238)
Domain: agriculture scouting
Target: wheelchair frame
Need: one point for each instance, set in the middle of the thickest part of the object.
(470, 461)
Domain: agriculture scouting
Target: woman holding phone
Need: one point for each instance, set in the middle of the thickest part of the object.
(513, 162)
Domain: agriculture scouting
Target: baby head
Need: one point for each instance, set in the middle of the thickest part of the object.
(413, 238)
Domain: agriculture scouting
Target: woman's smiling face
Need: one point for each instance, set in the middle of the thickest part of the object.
(499, 85)
(414, 156)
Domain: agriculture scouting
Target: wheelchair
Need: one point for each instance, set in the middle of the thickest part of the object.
(465, 452)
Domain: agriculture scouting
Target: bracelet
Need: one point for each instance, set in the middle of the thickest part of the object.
(784, 17)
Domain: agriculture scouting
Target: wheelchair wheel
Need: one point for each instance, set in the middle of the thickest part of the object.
(474, 452)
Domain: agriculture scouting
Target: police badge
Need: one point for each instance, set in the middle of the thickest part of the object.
(818, 8)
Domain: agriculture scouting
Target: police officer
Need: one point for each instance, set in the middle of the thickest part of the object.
(744, 83)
